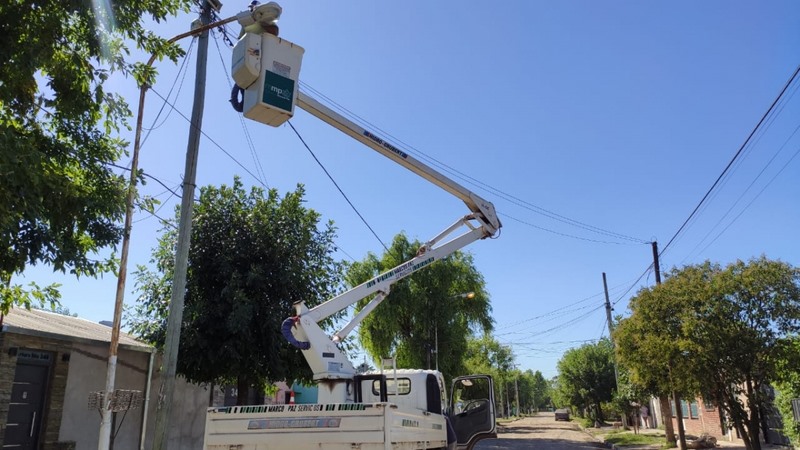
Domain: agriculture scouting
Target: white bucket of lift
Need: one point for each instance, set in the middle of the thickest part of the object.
(267, 68)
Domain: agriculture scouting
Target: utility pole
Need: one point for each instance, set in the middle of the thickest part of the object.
(184, 239)
(610, 331)
(663, 400)
(516, 391)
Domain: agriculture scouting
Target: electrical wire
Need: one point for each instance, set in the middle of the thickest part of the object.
(164, 104)
(559, 233)
(330, 177)
(248, 137)
(603, 330)
(759, 135)
(570, 307)
(216, 144)
(753, 200)
(466, 178)
(647, 271)
(741, 196)
(565, 325)
(227, 153)
(730, 163)
(325, 170)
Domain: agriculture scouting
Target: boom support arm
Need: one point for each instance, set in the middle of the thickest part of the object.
(321, 351)
(475, 203)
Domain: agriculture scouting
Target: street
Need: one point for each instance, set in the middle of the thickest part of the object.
(541, 432)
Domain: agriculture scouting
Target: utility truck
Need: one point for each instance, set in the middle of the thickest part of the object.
(386, 409)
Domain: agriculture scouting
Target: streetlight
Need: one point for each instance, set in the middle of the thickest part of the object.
(467, 295)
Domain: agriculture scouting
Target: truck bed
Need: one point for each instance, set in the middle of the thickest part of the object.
(363, 426)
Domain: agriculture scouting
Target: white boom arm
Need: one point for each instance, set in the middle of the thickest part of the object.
(321, 351)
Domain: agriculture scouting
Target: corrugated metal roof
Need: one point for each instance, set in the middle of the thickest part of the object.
(36, 322)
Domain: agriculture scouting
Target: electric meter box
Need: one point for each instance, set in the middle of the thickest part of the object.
(267, 68)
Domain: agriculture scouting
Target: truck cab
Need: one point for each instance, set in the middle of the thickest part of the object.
(470, 413)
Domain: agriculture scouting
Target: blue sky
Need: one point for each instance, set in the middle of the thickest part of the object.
(618, 115)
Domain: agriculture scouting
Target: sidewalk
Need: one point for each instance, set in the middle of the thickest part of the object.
(605, 436)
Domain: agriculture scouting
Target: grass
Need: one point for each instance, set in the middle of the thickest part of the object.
(628, 438)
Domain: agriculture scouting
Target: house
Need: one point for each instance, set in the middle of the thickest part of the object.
(53, 366)
(701, 418)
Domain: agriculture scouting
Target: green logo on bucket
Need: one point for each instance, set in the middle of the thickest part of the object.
(278, 91)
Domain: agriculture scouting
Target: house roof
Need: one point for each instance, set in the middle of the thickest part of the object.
(36, 322)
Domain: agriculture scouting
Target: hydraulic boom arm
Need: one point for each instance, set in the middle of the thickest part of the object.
(265, 68)
(321, 351)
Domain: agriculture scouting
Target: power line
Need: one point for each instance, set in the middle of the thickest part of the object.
(646, 271)
(753, 200)
(741, 196)
(468, 179)
(220, 147)
(182, 78)
(735, 156)
(570, 307)
(248, 138)
(330, 177)
(324, 169)
(559, 233)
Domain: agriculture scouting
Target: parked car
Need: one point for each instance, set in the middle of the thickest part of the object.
(562, 414)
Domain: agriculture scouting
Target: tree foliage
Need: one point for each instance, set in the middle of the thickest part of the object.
(60, 202)
(788, 388)
(485, 355)
(429, 306)
(586, 377)
(534, 391)
(251, 257)
(723, 332)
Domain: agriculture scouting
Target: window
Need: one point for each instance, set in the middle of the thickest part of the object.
(403, 386)
(693, 410)
(689, 410)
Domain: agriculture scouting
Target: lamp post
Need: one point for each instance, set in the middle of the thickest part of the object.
(468, 295)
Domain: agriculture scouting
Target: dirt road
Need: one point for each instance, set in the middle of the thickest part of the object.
(541, 432)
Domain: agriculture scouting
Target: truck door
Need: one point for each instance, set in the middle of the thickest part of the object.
(472, 411)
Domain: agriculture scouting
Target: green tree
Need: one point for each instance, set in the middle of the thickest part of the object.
(252, 256)
(651, 344)
(534, 391)
(487, 356)
(741, 333)
(788, 388)
(428, 308)
(725, 332)
(60, 201)
(541, 392)
(586, 377)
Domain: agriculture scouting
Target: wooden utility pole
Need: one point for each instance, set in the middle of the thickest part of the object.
(663, 400)
(610, 332)
(184, 239)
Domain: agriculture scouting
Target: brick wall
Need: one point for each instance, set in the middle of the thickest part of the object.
(707, 420)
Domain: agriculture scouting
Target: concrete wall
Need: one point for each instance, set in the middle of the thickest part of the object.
(87, 373)
(78, 369)
(187, 417)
